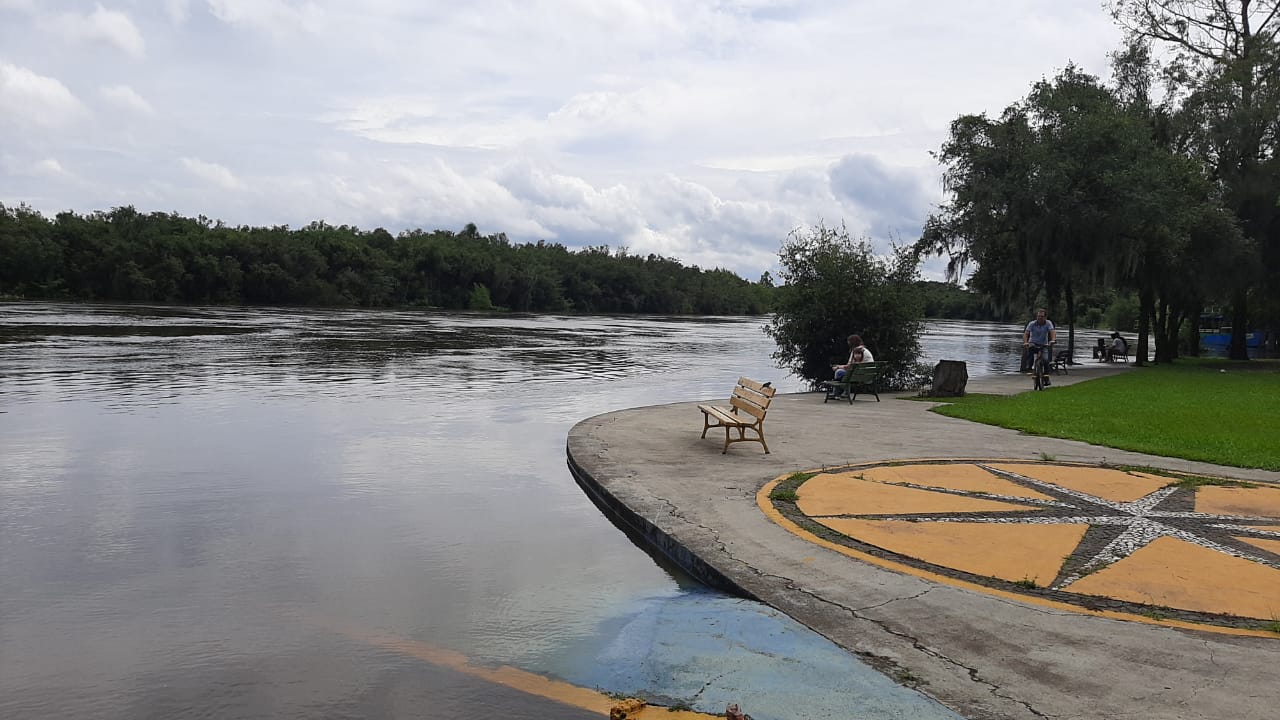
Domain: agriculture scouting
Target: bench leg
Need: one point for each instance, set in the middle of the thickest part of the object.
(742, 437)
(706, 423)
(865, 390)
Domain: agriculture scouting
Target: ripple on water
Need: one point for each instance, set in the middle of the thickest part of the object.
(194, 501)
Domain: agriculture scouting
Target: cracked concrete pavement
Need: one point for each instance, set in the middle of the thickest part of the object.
(981, 655)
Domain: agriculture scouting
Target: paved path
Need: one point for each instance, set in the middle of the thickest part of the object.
(1019, 631)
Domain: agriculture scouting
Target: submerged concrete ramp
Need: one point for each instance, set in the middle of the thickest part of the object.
(1005, 575)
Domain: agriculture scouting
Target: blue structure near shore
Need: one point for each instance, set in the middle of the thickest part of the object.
(1214, 334)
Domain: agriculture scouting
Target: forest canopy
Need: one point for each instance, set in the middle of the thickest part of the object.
(123, 255)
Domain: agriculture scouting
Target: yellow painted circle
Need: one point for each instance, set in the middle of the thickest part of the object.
(1135, 544)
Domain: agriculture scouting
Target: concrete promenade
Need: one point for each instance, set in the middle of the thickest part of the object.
(1072, 614)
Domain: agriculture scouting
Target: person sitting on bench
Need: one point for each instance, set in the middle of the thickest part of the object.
(858, 353)
(1100, 350)
(1119, 347)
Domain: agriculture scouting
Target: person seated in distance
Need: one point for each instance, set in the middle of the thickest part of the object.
(858, 353)
(1119, 346)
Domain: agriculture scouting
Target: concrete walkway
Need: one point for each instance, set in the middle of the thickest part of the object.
(913, 599)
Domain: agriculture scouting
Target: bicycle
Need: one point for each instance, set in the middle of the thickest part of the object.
(1040, 366)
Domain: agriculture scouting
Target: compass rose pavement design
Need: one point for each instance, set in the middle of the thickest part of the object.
(1202, 550)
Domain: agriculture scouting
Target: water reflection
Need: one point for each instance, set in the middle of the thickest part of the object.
(172, 499)
(183, 490)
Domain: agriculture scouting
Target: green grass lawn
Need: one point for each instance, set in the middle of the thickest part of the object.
(1216, 411)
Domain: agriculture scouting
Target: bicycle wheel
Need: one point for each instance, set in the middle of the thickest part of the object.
(1037, 373)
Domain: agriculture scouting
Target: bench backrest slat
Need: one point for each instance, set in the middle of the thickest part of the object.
(863, 372)
(751, 408)
(751, 396)
(762, 388)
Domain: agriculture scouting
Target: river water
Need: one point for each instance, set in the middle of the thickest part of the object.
(226, 512)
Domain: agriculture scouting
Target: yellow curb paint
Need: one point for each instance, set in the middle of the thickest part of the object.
(514, 678)
(1114, 485)
(1008, 552)
(1268, 545)
(969, 478)
(1255, 501)
(766, 506)
(844, 494)
(1178, 574)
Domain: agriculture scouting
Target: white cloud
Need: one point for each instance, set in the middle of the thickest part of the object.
(419, 120)
(111, 27)
(50, 167)
(277, 17)
(177, 10)
(212, 173)
(125, 97)
(35, 100)
(699, 129)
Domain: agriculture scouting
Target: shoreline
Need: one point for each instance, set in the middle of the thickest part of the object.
(983, 656)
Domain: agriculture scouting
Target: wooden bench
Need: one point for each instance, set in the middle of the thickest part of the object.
(862, 377)
(1060, 362)
(1118, 355)
(746, 411)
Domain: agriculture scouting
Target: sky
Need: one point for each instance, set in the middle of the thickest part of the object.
(703, 130)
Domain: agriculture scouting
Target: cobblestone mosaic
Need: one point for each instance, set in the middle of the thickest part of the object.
(1129, 549)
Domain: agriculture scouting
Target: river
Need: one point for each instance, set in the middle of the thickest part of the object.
(247, 512)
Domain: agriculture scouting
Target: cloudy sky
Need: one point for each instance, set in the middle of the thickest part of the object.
(698, 129)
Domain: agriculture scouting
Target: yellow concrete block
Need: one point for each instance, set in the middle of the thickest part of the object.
(970, 478)
(1178, 574)
(1255, 501)
(1114, 485)
(1008, 552)
(844, 495)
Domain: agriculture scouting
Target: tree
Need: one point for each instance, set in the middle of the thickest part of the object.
(123, 254)
(1066, 194)
(834, 286)
(1223, 79)
(30, 260)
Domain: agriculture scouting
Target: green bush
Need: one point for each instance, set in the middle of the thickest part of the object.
(1123, 314)
(834, 286)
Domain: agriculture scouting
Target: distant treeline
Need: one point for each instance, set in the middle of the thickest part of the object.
(127, 256)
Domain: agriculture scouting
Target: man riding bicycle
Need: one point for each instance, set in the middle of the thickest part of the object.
(1040, 333)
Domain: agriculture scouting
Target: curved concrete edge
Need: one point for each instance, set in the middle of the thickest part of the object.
(652, 537)
(982, 656)
(662, 528)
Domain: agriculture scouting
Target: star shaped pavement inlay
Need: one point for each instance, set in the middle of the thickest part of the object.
(1207, 548)
(1139, 522)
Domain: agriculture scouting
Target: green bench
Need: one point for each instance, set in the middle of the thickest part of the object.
(861, 378)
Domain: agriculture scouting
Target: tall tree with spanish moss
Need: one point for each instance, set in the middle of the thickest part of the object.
(1219, 61)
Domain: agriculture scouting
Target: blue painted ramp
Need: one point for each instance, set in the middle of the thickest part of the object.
(705, 650)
